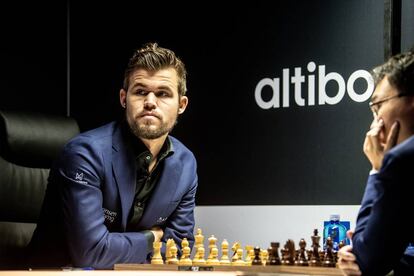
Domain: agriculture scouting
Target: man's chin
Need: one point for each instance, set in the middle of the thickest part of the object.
(150, 134)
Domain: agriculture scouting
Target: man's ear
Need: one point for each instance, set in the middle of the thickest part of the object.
(183, 104)
(122, 97)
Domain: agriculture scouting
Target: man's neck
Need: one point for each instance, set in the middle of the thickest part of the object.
(154, 145)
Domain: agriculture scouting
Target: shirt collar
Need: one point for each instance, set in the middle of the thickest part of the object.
(140, 150)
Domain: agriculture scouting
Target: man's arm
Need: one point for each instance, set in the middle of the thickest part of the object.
(372, 191)
(373, 231)
(379, 242)
(80, 178)
(180, 224)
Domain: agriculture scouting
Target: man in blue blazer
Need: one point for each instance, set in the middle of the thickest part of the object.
(383, 235)
(116, 189)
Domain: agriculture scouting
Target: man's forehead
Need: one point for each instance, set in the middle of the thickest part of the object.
(160, 77)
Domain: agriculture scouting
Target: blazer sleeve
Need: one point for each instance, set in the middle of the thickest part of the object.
(79, 176)
(180, 223)
(371, 193)
(381, 233)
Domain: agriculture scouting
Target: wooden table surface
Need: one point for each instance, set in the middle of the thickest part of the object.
(164, 270)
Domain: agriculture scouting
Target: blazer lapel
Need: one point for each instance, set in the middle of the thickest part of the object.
(124, 173)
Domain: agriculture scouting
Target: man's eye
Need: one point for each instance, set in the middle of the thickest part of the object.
(163, 94)
(142, 92)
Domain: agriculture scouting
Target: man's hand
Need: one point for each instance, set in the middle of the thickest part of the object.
(158, 233)
(374, 145)
(347, 260)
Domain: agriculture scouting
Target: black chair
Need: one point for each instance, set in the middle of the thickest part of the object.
(29, 143)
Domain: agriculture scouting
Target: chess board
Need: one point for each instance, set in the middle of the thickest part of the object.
(235, 260)
(240, 270)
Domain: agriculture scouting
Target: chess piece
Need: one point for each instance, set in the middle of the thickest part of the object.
(328, 259)
(224, 253)
(156, 257)
(335, 258)
(284, 253)
(264, 256)
(211, 244)
(199, 239)
(213, 258)
(341, 244)
(239, 259)
(185, 257)
(234, 248)
(168, 250)
(288, 252)
(273, 254)
(256, 260)
(249, 254)
(315, 259)
(301, 257)
(173, 254)
(199, 257)
(321, 255)
(200, 251)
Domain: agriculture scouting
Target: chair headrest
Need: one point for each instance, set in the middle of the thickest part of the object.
(33, 139)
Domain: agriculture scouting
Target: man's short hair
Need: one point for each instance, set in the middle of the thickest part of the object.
(399, 70)
(151, 57)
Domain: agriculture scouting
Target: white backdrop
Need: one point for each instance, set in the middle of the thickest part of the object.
(260, 225)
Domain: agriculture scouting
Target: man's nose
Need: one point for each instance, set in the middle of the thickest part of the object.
(150, 101)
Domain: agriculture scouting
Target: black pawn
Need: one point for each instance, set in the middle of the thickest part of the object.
(301, 257)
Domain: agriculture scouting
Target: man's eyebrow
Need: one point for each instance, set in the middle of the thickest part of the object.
(164, 87)
(138, 84)
(142, 85)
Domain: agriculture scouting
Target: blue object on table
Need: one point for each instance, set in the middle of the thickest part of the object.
(335, 229)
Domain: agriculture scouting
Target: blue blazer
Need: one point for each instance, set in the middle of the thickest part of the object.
(382, 231)
(90, 194)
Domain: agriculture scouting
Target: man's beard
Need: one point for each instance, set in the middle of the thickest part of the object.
(145, 131)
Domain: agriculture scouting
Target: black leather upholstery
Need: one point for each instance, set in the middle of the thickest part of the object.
(28, 144)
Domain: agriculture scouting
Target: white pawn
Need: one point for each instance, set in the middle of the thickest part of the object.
(212, 259)
(168, 244)
(199, 257)
(157, 258)
(185, 257)
(173, 255)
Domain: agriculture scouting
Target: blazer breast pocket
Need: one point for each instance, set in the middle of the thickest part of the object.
(169, 209)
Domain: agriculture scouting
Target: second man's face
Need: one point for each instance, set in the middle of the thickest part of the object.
(152, 102)
(399, 109)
